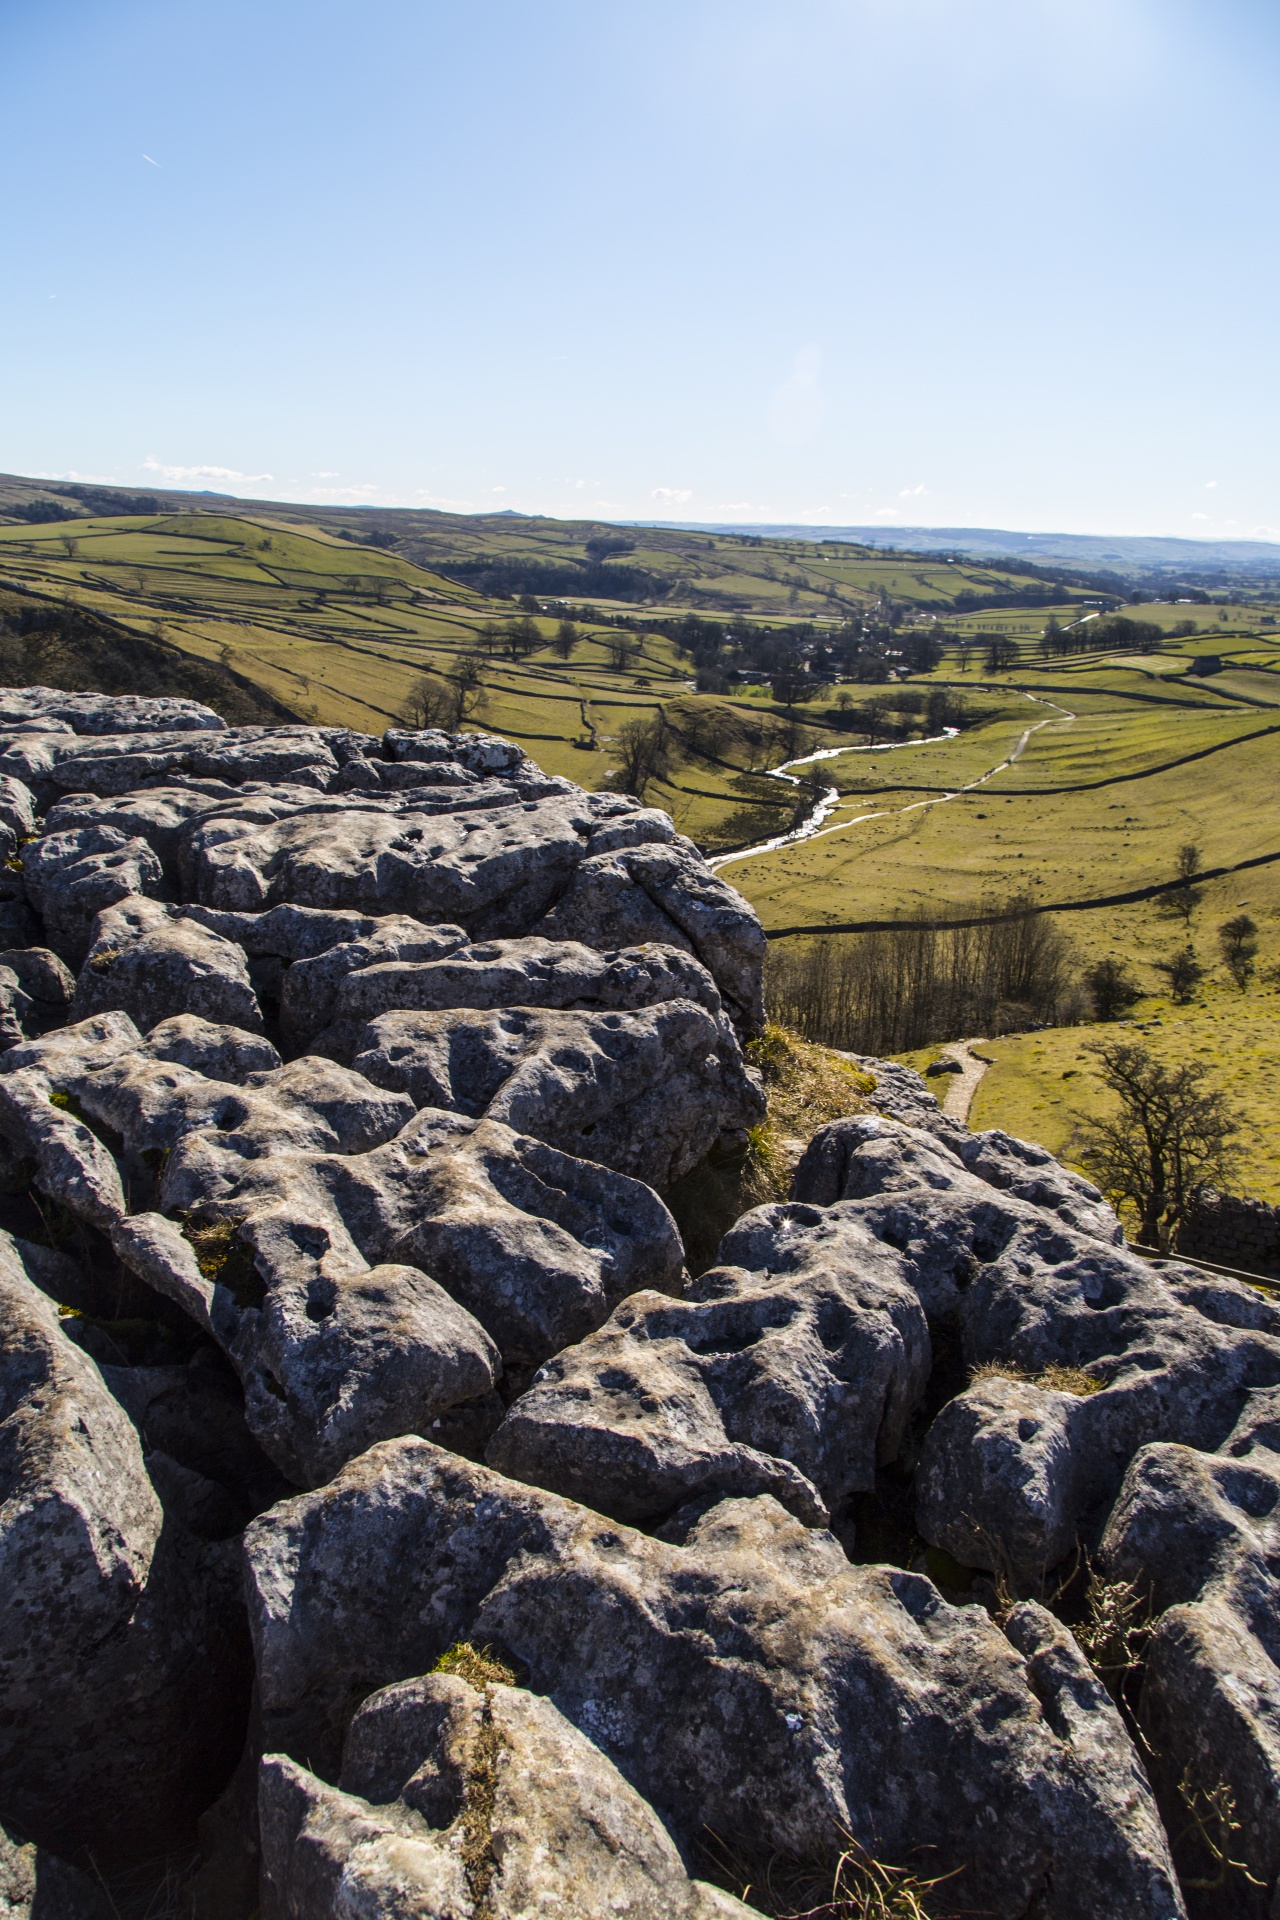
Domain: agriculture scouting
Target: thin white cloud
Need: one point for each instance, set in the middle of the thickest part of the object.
(153, 163)
(1199, 516)
(885, 513)
(86, 479)
(909, 493)
(180, 476)
(672, 496)
(1208, 484)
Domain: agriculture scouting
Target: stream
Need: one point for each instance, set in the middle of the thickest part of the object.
(814, 827)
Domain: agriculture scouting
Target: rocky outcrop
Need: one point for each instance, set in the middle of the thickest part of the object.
(346, 1148)
(795, 1378)
(748, 1680)
(1195, 1534)
(470, 1801)
(124, 1668)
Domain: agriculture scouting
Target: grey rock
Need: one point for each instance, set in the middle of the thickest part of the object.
(667, 894)
(1014, 1470)
(313, 985)
(644, 1091)
(360, 1257)
(122, 1662)
(70, 877)
(538, 1246)
(847, 1158)
(221, 1053)
(791, 1380)
(750, 1680)
(93, 713)
(1198, 1535)
(533, 972)
(396, 776)
(37, 1885)
(149, 961)
(494, 870)
(17, 808)
(334, 1349)
(479, 753)
(465, 1802)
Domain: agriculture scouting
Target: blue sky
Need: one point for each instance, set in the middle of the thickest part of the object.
(944, 262)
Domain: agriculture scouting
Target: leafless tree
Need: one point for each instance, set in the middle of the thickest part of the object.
(1172, 1138)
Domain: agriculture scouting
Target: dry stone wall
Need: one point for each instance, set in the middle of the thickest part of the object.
(344, 1328)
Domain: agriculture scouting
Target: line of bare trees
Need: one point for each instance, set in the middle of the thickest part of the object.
(919, 984)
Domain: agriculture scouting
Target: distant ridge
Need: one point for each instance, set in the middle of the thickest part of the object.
(1160, 553)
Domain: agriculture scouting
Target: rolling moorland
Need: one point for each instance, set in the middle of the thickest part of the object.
(1069, 779)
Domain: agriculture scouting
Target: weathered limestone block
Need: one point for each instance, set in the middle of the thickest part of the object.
(470, 1803)
(749, 1680)
(123, 1666)
(668, 894)
(70, 877)
(149, 961)
(855, 1156)
(1198, 1534)
(92, 713)
(644, 1091)
(796, 1382)
(560, 974)
(495, 871)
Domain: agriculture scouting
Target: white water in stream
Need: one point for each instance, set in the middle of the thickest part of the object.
(815, 828)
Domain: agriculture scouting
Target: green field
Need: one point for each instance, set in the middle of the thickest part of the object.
(1072, 780)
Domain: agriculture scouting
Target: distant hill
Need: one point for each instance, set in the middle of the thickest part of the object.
(1122, 553)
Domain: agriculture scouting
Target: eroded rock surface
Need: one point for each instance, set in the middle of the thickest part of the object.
(1197, 1535)
(123, 1663)
(749, 1680)
(471, 1802)
(792, 1379)
(356, 1120)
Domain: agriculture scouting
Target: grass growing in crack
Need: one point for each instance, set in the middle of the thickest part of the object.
(223, 1258)
(480, 1667)
(855, 1887)
(1058, 1379)
(806, 1086)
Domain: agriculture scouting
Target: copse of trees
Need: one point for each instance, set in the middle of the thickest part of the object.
(1105, 634)
(919, 984)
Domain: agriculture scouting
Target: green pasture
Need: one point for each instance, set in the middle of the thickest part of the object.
(1045, 1086)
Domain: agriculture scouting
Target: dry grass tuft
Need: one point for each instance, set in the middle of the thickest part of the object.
(855, 1887)
(807, 1086)
(1055, 1379)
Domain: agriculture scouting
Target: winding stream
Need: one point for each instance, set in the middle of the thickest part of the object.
(814, 827)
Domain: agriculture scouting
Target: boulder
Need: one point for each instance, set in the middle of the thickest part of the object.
(123, 1665)
(643, 1091)
(748, 1680)
(847, 1158)
(149, 961)
(667, 894)
(357, 1270)
(70, 877)
(797, 1382)
(1198, 1536)
(93, 713)
(468, 1801)
(560, 974)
